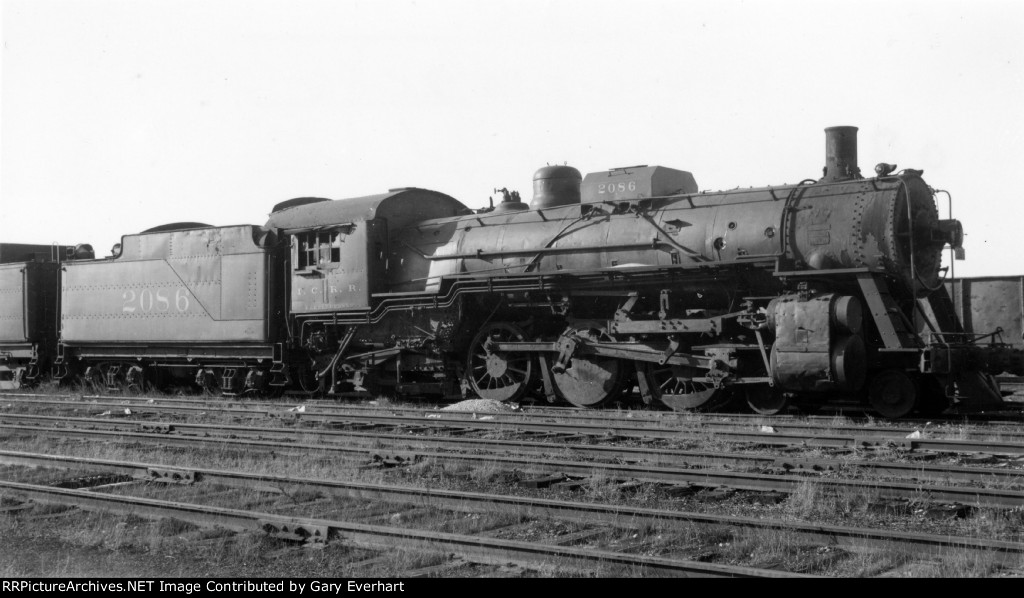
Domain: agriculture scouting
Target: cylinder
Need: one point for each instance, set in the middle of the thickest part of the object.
(840, 154)
(555, 186)
(847, 314)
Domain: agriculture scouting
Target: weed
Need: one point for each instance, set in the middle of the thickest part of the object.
(397, 560)
(814, 499)
(804, 501)
(487, 473)
(993, 523)
(874, 564)
(764, 548)
(601, 488)
(430, 467)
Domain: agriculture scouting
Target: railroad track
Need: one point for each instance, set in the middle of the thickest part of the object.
(672, 423)
(665, 457)
(405, 448)
(620, 516)
(980, 424)
(473, 548)
(1012, 415)
(836, 437)
(698, 477)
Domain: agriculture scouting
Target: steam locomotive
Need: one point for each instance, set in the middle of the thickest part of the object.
(625, 283)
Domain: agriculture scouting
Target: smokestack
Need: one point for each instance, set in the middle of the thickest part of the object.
(840, 155)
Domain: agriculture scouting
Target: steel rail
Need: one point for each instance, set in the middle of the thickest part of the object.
(772, 438)
(999, 498)
(641, 412)
(621, 516)
(621, 426)
(674, 423)
(651, 455)
(475, 548)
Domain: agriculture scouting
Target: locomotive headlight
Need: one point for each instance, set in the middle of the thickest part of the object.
(950, 232)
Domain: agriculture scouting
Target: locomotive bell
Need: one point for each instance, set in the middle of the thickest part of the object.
(555, 186)
(840, 154)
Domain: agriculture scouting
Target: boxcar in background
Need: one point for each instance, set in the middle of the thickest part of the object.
(989, 303)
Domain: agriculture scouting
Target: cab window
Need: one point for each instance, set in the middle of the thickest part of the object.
(317, 249)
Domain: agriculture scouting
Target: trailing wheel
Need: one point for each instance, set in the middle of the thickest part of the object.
(892, 394)
(589, 381)
(306, 376)
(496, 375)
(678, 389)
(766, 400)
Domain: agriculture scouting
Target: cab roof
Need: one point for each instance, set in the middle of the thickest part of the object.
(399, 206)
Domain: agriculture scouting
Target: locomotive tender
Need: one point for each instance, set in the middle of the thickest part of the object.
(628, 278)
(183, 299)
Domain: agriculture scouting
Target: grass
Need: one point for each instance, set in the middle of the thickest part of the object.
(778, 549)
(118, 545)
(814, 499)
(126, 535)
(236, 554)
(995, 523)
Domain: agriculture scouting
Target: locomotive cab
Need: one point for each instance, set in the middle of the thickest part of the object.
(340, 250)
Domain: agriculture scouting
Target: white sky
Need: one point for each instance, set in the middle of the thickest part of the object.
(119, 115)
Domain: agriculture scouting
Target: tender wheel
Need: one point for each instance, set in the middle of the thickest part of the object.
(766, 400)
(207, 382)
(494, 375)
(136, 381)
(590, 381)
(892, 394)
(94, 378)
(678, 390)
